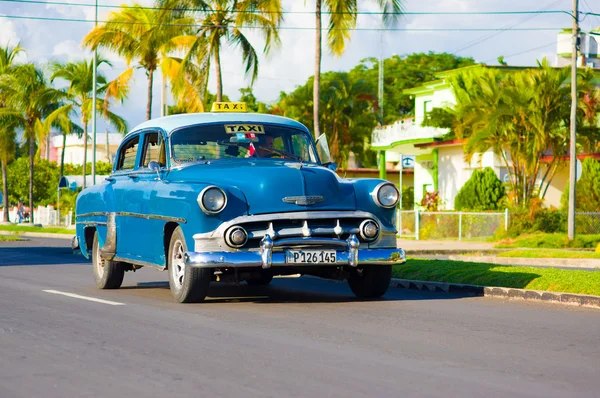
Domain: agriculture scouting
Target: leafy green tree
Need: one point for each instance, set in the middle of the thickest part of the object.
(225, 22)
(342, 19)
(252, 103)
(521, 116)
(587, 197)
(7, 130)
(401, 73)
(29, 101)
(45, 181)
(80, 95)
(348, 119)
(142, 34)
(483, 191)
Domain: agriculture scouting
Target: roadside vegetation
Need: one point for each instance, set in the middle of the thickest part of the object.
(550, 241)
(6, 238)
(547, 279)
(549, 253)
(19, 228)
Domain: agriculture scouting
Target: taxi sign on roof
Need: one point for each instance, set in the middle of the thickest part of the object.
(229, 107)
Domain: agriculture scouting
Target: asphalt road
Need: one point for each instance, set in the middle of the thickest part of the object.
(298, 337)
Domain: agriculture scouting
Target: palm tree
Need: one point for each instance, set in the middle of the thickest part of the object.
(141, 34)
(342, 18)
(7, 132)
(79, 95)
(223, 22)
(29, 100)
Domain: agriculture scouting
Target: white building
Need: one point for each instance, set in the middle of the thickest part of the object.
(106, 147)
(440, 164)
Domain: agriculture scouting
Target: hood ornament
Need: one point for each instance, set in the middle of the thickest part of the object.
(304, 200)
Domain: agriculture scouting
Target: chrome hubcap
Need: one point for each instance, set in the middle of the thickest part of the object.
(99, 263)
(178, 264)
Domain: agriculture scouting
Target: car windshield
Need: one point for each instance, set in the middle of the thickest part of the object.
(240, 140)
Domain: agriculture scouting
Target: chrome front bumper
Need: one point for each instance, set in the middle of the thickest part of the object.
(348, 254)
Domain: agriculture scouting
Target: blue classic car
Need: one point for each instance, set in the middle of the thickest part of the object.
(233, 197)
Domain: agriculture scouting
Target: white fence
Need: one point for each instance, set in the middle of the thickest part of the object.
(47, 216)
(449, 225)
(423, 225)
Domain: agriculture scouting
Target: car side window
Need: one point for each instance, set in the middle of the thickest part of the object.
(128, 154)
(154, 149)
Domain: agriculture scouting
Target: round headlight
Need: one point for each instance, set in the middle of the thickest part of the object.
(386, 195)
(212, 200)
(236, 237)
(369, 230)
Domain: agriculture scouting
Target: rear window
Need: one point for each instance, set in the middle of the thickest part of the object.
(128, 154)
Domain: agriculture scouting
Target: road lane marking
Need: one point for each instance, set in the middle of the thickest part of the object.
(77, 296)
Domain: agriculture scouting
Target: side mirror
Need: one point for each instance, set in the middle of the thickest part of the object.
(331, 166)
(155, 166)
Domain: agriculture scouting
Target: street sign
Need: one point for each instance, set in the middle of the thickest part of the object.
(408, 161)
(63, 183)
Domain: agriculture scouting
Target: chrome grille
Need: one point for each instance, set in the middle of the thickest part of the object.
(340, 228)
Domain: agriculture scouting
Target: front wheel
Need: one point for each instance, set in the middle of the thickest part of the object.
(372, 281)
(108, 274)
(187, 284)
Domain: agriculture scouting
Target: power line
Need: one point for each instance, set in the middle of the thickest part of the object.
(489, 36)
(26, 17)
(111, 6)
(524, 51)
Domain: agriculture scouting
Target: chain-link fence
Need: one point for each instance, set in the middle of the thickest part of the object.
(587, 222)
(449, 225)
(469, 225)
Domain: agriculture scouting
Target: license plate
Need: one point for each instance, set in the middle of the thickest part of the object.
(310, 256)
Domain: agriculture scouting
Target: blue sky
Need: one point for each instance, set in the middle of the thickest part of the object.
(293, 62)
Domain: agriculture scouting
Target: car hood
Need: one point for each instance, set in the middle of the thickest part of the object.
(266, 183)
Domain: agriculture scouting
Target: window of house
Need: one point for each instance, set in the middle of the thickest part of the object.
(128, 154)
(154, 149)
(427, 106)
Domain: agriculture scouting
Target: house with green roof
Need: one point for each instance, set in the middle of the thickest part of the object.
(439, 164)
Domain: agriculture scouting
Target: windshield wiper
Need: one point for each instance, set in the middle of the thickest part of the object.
(280, 153)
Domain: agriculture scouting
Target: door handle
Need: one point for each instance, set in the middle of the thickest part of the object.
(133, 176)
(110, 179)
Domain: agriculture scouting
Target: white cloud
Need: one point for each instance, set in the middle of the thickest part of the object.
(8, 34)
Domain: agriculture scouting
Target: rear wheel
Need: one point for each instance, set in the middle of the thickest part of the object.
(108, 274)
(187, 284)
(263, 280)
(372, 281)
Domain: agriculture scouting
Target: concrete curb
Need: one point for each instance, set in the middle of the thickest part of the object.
(500, 292)
(37, 235)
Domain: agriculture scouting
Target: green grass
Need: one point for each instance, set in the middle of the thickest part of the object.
(550, 241)
(549, 253)
(50, 230)
(4, 238)
(548, 279)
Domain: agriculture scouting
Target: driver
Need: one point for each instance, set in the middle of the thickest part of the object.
(263, 150)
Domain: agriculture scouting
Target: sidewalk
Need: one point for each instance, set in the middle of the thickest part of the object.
(444, 246)
(483, 252)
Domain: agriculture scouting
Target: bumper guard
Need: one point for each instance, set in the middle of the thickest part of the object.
(348, 253)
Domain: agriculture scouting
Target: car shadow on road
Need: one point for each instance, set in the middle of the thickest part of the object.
(298, 290)
(30, 255)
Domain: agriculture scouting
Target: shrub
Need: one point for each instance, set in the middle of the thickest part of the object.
(431, 201)
(587, 188)
(408, 198)
(45, 181)
(483, 191)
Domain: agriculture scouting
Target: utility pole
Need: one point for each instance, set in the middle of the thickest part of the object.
(573, 138)
(163, 96)
(94, 98)
(382, 162)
